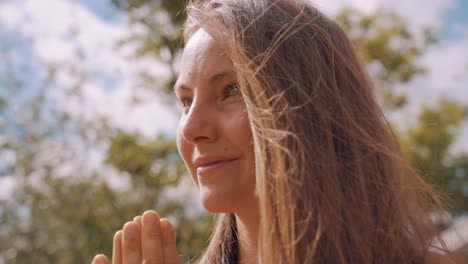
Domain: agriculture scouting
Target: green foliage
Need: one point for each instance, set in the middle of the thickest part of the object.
(161, 38)
(383, 39)
(427, 147)
(144, 162)
(66, 220)
(61, 222)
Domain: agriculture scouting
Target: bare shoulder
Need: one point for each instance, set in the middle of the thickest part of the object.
(435, 258)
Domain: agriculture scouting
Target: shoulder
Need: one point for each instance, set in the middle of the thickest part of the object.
(435, 258)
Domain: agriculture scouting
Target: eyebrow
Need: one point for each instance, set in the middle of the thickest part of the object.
(215, 78)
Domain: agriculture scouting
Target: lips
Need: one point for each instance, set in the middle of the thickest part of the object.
(207, 164)
(204, 161)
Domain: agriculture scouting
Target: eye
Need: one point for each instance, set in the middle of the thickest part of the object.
(185, 101)
(232, 90)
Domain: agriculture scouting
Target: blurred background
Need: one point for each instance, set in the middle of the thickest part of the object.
(88, 118)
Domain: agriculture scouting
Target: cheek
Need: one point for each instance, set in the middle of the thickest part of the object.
(239, 130)
(239, 133)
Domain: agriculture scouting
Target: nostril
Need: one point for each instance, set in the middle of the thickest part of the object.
(201, 139)
(197, 128)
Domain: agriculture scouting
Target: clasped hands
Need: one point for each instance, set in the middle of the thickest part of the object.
(145, 240)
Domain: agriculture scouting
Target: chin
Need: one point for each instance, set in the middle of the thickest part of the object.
(217, 202)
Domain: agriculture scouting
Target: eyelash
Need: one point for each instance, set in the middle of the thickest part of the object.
(235, 87)
(226, 91)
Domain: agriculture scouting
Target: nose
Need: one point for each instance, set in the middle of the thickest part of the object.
(199, 125)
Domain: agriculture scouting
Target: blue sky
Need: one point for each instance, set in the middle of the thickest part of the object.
(38, 34)
(102, 9)
(42, 30)
(455, 18)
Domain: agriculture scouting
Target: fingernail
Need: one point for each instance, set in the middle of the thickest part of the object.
(99, 259)
(150, 218)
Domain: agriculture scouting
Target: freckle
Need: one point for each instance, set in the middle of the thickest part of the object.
(225, 149)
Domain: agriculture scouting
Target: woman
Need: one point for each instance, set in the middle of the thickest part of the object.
(282, 135)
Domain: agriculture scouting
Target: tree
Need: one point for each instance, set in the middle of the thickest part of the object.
(162, 38)
(36, 221)
(427, 147)
(66, 220)
(63, 217)
(383, 41)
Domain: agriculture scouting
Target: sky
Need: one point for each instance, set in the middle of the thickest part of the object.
(44, 31)
(48, 32)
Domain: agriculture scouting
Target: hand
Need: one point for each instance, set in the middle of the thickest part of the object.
(147, 239)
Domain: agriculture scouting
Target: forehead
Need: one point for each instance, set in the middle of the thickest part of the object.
(202, 58)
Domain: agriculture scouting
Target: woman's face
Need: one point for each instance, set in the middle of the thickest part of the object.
(214, 136)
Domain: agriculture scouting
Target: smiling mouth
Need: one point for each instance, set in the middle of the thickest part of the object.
(206, 169)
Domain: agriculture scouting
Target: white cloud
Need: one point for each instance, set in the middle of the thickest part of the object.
(446, 77)
(61, 28)
(447, 65)
(418, 12)
(66, 34)
(333, 7)
(446, 62)
(8, 185)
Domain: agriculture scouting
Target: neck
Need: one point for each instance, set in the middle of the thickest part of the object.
(247, 232)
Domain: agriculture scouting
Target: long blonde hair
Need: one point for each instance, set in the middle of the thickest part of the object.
(330, 179)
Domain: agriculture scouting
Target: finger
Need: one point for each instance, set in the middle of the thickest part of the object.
(152, 238)
(117, 248)
(100, 259)
(131, 244)
(137, 220)
(169, 242)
